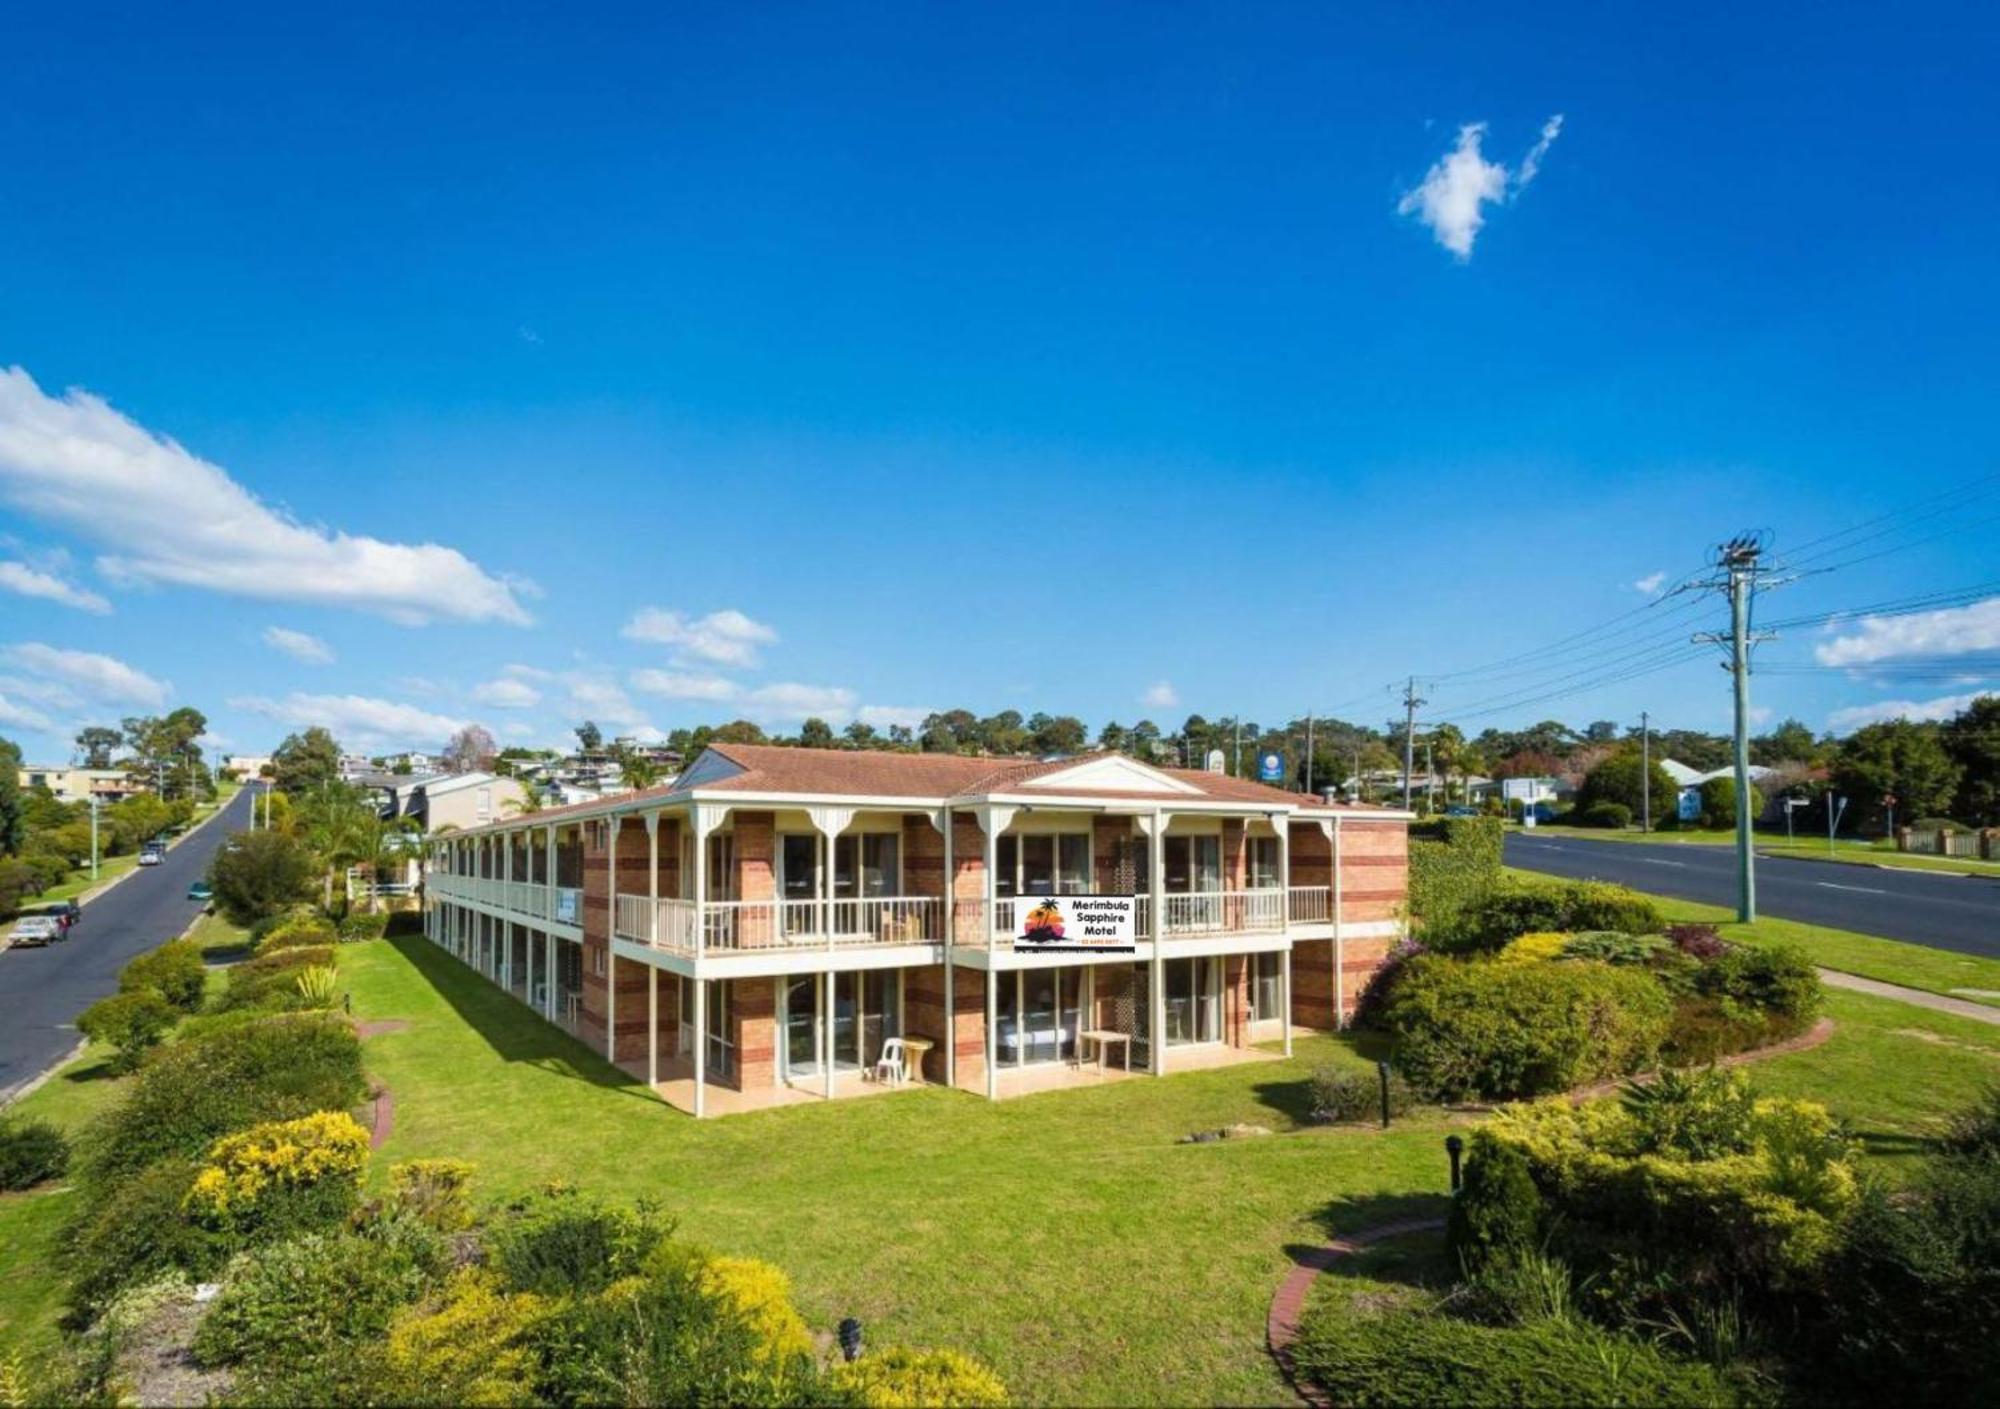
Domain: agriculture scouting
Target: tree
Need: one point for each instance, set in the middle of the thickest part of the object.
(860, 736)
(1619, 779)
(1972, 738)
(165, 755)
(12, 826)
(589, 737)
(1898, 757)
(1718, 803)
(1062, 733)
(306, 762)
(1003, 733)
(816, 733)
(471, 750)
(1790, 742)
(739, 731)
(260, 873)
(95, 744)
(1600, 731)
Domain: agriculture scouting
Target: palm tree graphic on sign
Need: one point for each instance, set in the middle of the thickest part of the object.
(1044, 922)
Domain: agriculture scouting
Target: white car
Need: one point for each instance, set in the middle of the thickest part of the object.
(152, 856)
(36, 930)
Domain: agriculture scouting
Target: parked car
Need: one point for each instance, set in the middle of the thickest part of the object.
(1459, 809)
(64, 912)
(152, 853)
(34, 931)
(200, 890)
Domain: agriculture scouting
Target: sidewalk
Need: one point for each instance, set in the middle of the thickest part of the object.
(1936, 1002)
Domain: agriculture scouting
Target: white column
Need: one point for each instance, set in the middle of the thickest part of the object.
(652, 1026)
(1285, 998)
(993, 1033)
(1156, 996)
(549, 873)
(991, 922)
(549, 977)
(653, 875)
(700, 1045)
(611, 953)
(507, 930)
(826, 1005)
(1339, 942)
(950, 974)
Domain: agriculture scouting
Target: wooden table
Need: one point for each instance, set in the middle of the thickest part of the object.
(1103, 1037)
(915, 1049)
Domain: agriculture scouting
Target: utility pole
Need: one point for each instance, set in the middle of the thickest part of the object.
(1645, 772)
(1738, 562)
(93, 836)
(1430, 778)
(1410, 703)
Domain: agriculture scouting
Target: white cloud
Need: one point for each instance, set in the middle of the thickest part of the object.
(1953, 631)
(677, 685)
(32, 582)
(15, 715)
(165, 515)
(892, 716)
(1651, 583)
(788, 701)
(99, 677)
(1452, 197)
(603, 701)
(358, 721)
(298, 645)
(726, 637)
(1161, 694)
(1854, 717)
(507, 692)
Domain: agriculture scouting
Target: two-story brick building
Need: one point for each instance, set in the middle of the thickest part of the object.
(755, 931)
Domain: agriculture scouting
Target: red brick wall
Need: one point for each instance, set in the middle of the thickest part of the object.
(1107, 834)
(1236, 1000)
(1374, 870)
(755, 1020)
(968, 863)
(1311, 856)
(1361, 958)
(1312, 984)
(756, 875)
(923, 857)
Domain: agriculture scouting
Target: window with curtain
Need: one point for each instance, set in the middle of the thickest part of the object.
(1267, 988)
(1264, 864)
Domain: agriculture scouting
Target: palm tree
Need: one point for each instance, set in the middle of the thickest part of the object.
(528, 803)
(638, 771)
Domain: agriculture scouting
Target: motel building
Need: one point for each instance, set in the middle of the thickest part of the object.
(758, 931)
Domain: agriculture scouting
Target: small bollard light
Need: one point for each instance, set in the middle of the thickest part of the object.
(850, 1339)
(1382, 1071)
(1454, 1147)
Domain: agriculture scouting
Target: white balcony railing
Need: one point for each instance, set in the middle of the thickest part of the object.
(1200, 913)
(761, 926)
(1311, 905)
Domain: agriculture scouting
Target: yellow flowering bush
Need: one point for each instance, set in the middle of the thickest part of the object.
(327, 1148)
(900, 1378)
(763, 1294)
(1536, 948)
(435, 1190)
(468, 1346)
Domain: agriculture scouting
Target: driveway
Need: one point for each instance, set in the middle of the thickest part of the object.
(43, 990)
(1959, 913)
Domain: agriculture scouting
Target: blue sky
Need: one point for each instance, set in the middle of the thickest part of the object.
(1089, 360)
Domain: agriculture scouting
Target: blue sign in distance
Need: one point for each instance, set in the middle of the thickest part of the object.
(1270, 767)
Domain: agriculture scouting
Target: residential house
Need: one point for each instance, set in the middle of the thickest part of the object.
(69, 783)
(760, 929)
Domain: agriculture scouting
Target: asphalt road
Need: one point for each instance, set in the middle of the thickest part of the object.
(43, 990)
(1959, 913)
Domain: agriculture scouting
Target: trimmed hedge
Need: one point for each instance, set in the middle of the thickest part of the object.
(1615, 816)
(31, 1152)
(1351, 1093)
(1453, 862)
(175, 971)
(270, 980)
(131, 1023)
(1484, 1029)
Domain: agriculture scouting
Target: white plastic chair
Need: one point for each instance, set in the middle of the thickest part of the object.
(890, 1065)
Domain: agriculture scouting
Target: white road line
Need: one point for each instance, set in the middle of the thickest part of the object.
(1657, 861)
(1863, 890)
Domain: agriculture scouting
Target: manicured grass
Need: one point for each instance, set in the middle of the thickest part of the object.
(1868, 854)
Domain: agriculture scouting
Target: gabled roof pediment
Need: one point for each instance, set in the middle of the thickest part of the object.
(1109, 773)
(711, 767)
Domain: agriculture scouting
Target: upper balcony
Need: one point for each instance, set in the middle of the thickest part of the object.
(562, 905)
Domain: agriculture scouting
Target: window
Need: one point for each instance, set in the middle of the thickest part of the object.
(1264, 864)
(1052, 863)
(1267, 987)
(597, 966)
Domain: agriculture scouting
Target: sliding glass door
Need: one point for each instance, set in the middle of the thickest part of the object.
(1038, 1014)
(867, 1011)
(1194, 1001)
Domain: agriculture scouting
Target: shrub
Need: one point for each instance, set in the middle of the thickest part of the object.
(134, 1232)
(196, 1091)
(360, 925)
(404, 924)
(1534, 948)
(260, 874)
(282, 1175)
(762, 1295)
(271, 980)
(1520, 906)
(175, 971)
(318, 986)
(1612, 815)
(1619, 780)
(1381, 985)
(1343, 1093)
(303, 1319)
(434, 1191)
(900, 1378)
(1718, 803)
(559, 1242)
(1421, 1357)
(130, 1023)
(470, 1346)
(1695, 1116)
(1778, 984)
(1453, 861)
(31, 1152)
(297, 929)
(1703, 942)
(1614, 947)
(1500, 1030)
(1497, 1211)
(1975, 1131)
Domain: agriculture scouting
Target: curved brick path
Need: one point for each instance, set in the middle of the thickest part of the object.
(1281, 1327)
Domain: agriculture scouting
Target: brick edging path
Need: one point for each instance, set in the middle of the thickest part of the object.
(1281, 1326)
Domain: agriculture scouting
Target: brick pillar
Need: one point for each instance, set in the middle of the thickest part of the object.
(756, 877)
(1235, 868)
(969, 998)
(755, 1020)
(968, 860)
